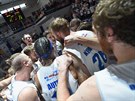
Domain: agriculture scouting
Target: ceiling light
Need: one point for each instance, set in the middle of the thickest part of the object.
(10, 9)
(16, 7)
(4, 11)
(22, 5)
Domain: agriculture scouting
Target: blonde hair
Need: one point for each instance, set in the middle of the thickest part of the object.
(118, 15)
(9, 60)
(17, 62)
(59, 25)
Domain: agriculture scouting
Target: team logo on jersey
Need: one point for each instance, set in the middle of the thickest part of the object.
(52, 85)
(48, 78)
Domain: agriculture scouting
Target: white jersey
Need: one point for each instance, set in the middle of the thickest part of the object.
(57, 48)
(36, 66)
(93, 59)
(114, 88)
(18, 86)
(48, 78)
(72, 83)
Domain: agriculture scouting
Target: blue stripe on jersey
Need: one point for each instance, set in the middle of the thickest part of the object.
(132, 86)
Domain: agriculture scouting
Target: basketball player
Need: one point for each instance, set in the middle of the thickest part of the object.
(114, 25)
(93, 59)
(47, 76)
(22, 88)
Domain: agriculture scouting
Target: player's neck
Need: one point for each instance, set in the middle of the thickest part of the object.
(29, 44)
(124, 52)
(48, 62)
(22, 76)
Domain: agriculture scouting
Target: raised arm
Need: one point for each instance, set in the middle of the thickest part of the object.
(86, 41)
(63, 64)
(87, 91)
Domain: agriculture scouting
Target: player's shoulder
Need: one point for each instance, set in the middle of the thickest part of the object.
(28, 92)
(92, 80)
(87, 91)
(85, 33)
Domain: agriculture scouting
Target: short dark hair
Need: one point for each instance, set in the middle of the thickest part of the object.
(43, 47)
(46, 33)
(119, 15)
(23, 38)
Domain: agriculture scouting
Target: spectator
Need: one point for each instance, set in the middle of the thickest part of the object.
(34, 36)
(84, 9)
(27, 39)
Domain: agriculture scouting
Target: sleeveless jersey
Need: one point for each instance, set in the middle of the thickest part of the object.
(93, 59)
(116, 88)
(18, 86)
(58, 48)
(72, 83)
(36, 67)
(48, 78)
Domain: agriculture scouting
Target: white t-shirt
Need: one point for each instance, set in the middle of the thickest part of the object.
(93, 59)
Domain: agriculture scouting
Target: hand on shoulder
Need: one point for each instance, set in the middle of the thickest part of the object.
(63, 62)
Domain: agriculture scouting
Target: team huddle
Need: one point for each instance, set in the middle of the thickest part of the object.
(77, 65)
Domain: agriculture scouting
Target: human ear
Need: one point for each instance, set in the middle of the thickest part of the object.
(109, 34)
(25, 63)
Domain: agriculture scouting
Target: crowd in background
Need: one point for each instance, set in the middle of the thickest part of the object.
(83, 9)
(77, 60)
